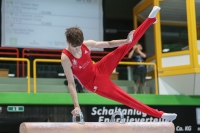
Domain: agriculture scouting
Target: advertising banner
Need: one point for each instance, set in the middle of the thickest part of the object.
(188, 119)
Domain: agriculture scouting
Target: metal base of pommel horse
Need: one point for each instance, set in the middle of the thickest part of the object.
(97, 127)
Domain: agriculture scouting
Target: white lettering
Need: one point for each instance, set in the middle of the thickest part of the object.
(107, 120)
(137, 119)
(138, 112)
(147, 119)
(111, 112)
(130, 111)
(99, 111)
(178, 128)
(134, 112)
(132, 120)
(115, 109)
(94, 111)
(155, 120)
(151, 119)
(142, 120)
(124, 111)
(105, 111)
(127, 119)
(161, 120)
(101, 119)
(85, 64)
(188, 128)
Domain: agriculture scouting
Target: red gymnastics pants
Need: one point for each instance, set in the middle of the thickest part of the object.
(106, 88)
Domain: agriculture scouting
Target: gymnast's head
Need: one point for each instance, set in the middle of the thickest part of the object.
(74, 36)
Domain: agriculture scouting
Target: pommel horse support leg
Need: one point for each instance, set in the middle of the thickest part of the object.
(97, 127)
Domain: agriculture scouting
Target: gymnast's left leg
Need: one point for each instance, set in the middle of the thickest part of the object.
(103, 86)
(108, 89)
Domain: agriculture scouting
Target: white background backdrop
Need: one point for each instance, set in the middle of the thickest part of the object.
(42, 23)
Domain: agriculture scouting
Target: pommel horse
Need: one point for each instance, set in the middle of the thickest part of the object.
(97, 127)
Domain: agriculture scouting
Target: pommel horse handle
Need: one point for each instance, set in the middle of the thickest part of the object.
(122, 121)
(81, 118)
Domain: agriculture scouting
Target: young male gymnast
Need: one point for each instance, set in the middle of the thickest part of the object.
(76, 62)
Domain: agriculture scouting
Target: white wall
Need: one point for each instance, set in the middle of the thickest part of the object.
(198, 44)
(176, 61)
(178, 84)
(197, 84)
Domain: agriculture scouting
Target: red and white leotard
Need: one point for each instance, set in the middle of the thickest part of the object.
(83, 67)
(96, 77)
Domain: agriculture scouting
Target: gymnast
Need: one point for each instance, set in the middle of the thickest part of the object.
(76, 62)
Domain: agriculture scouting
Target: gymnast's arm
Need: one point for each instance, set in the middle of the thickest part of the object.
(108, 44)
(66, 64)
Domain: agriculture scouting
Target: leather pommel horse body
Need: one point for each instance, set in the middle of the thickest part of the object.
(97, 127)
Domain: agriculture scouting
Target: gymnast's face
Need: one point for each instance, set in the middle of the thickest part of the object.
(74, 49)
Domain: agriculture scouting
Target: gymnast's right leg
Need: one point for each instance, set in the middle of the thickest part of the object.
(110, 61)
